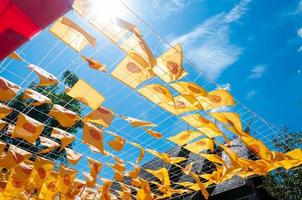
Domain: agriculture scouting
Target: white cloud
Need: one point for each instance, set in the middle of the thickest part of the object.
(299, 32)
(299, 72)
(164, 8)
(257, 72)
(250, 94)
(226, 86)
(208, 46)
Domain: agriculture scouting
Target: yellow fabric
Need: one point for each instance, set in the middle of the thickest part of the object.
(16, 56)
(5, 110)
(132, 70)
(42, 168)
(125, 192)
(72, 156)
(166, 157)
(141, 151)
(137, 122)
(88, 194)
(72, 34)
(27, 128)
(46, 79)
(136, 44)
(257, 147)
(65, 117)
(203, 125)
(169, 65)
(154, 133)
(8, 90)
(162, 174)
(17, 180)
(119, 165)
(213, 158)
(136, 182)
(186, 103)
(83, 92)
(231, 154)
(200, 145)
(202, 188)
(106, 189)
(95, 168)
(118, 176)
(65, 178)
(94, 64)
(36, 96)
(75, 189)
(126, 25)
(2, 147)
(14, 156)
(118, 143)
(144, 193)
(2, 125)
(93, 136)
(82, 7)
(66, 138)
(49, 188)
(101, 116)
(189, 88)
(184, 137)
(90, 181)
(230, 119)
(217, 98)
(48, 143)
(159, 95)
(135, 172)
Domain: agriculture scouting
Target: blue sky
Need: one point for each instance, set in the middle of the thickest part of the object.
(251, 47)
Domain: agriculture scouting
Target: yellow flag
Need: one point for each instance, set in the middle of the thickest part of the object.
(4, 124)
(2, 147)
(125, 192)
(49, 188)
(141, 151)
(159, 95)
(46, 79)
(136, 44)
(49, 144)
(75, 189)
(217, 98)
(83, 92)
(93, 136)
(119, 165)
(90, 181)
(145, 191)
(202, 188)
(101, 116)
(36, 96)
(42, 168)
(95, 167)
(231, 154)
(132, 70)
(88, 194)
(162, 174)
(230, 119)
(200, 145)
(190, 88)
(82, 7)
(27, 128)
(184, 137)
(154, 133)
(169, 65)
(72, 156)
(186, 103)
(17, 180)
(65, 117)
(166, 157)
(213, 158)
(72, 34)
(106, 189)
(65, 178)
(8, 90)
(135, 172)
(16, 56)
(136, 182)
(118, 143)
(14, 156)
(5, 110)
(66, 138)
(94, 64)
(257, 147)
(203, 125)
(118, 175)
(137, 122)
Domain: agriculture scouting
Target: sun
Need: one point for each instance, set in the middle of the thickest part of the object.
(107, 8)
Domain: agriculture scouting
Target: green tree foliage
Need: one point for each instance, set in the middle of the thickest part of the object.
(285, 184)
(57, 95)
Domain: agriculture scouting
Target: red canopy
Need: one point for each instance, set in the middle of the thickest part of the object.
(22, 19)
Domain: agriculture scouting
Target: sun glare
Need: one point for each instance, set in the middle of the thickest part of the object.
(107, 8)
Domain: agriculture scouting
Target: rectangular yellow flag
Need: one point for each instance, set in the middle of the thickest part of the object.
(86, 94)
(27, 128)
(46, 79)
(65, 117)
(101, 116)
(5, 110)
(65, 137)
(49, 188)
(93, 136)
(65, 178)
(72, 156)
(36, 96)
(14, 156)
(200, 145)
(8, 90)
(184, 137)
